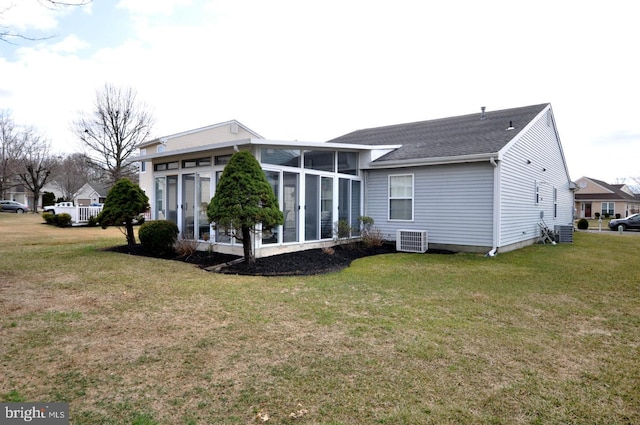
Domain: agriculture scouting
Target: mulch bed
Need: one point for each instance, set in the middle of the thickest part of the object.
(300, 263)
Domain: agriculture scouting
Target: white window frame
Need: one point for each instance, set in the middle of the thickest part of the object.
(607, 205)
(411, 197)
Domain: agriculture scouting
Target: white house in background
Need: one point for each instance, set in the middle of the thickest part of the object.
(482, 182)
(89, 193)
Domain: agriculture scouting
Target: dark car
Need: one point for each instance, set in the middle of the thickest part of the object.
(13, 206)
(631, 222)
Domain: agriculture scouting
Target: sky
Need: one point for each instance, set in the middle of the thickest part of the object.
(315, 70)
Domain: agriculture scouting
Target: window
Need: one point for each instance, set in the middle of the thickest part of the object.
(401, 197)
(199, 162)
(607, 208)
(222, 159)
(319, 160)
(348, 163)
(166, 166)
(290, 158)
(143, 166)
(160, 148)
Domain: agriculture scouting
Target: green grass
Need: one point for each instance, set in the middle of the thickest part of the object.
(545, 334)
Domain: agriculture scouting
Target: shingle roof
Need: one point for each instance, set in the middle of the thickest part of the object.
(447, 137)
(615, 194)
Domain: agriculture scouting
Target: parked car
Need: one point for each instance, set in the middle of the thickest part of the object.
(631, 222)
(13, 206)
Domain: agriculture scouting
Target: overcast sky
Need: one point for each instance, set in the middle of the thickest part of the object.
(314, 70)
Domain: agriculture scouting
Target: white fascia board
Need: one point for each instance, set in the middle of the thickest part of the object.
(195, 149)
(443, 160)
(264, 142)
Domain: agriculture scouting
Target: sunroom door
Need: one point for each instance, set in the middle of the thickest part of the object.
(188, 206)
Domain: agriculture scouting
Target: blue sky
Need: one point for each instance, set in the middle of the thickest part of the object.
(309, 70)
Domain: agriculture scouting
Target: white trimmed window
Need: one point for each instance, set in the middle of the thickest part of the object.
(608, 208)
(401, 197)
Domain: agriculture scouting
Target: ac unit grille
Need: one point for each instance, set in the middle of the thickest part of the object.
(564, 234)
(411, 241)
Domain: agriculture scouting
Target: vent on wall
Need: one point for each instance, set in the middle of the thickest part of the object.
(411, 240)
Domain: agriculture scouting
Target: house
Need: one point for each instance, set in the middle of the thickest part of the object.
(89, 193)
(484, 182)
(607, 200)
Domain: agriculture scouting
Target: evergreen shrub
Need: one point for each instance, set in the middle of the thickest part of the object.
(583, 224)
(158, 236)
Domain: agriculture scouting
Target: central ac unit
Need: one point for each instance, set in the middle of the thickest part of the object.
(411, 241)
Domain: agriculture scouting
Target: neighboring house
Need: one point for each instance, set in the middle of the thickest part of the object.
(608, 200)
(89, 193)
(18, 193)
(483, 182)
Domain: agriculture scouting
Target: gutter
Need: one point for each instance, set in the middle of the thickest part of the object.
(443, 160)
(496, 208)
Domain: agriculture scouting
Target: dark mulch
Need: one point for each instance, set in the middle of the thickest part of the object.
(309, 262)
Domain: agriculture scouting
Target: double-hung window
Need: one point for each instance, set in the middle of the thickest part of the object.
(401, 197)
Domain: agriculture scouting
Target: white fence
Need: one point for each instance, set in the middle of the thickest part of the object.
(79, 215)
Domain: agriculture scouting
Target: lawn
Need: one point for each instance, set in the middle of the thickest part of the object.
(546, 334)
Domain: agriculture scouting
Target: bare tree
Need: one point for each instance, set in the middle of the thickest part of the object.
(11, 150)
(8, 35)
(113, 130)
(73, 172)
(36, 164)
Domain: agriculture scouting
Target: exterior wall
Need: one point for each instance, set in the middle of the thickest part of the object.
(223, 133)
(535, 159)
(454, 203)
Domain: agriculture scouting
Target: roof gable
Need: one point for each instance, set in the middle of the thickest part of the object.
(234, 129)
(605, 191)
(466, 135)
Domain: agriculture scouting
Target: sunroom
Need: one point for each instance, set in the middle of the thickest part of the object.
(317, 185)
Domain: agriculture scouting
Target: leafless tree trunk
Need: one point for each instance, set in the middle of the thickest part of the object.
(113, 130)
(37, 164)
(11, 150)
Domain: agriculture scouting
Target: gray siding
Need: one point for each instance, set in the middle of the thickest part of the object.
(452, 202)
(519, 213)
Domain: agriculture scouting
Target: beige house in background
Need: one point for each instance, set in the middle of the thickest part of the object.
(595, 196)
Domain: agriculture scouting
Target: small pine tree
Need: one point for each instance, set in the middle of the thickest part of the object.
(243, 199)
(124, 203)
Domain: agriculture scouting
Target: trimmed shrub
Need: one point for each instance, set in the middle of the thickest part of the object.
(49, 218)
(63, 220)
(93, 221)
(583, 224)
(158, 236)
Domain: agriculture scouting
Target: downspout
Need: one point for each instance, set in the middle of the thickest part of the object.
(496, 207)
